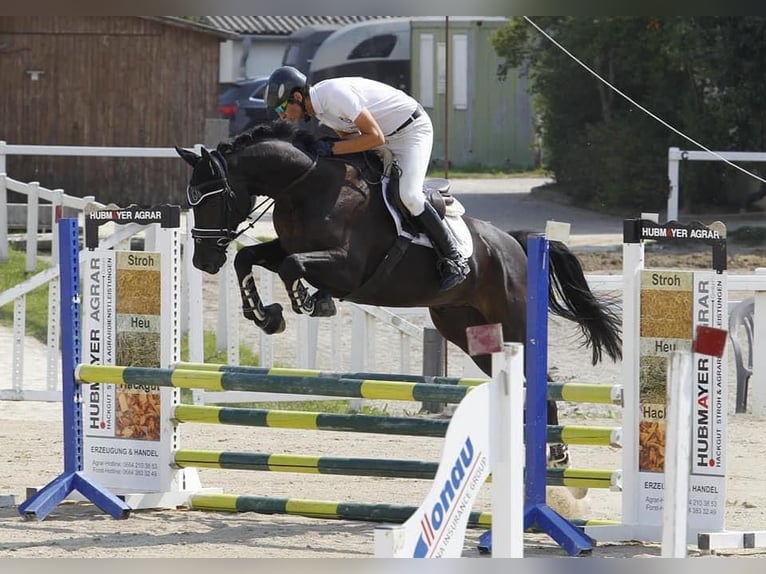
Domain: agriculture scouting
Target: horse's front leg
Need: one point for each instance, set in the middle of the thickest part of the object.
(269, 255)
(318, 268)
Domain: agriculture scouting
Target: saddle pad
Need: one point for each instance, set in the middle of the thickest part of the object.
(454, 221)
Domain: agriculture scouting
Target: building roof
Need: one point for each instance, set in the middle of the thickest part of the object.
(192, 24)
(277, 25)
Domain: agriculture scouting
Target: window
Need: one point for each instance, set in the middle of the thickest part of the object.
(379, 46)
(291, 57)
(460, 71)
(427, 70)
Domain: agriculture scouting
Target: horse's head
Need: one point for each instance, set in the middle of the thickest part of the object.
(218, 209)
(269, 160)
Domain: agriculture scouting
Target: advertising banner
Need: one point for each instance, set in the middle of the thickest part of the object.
(122, 429)
(673, 304)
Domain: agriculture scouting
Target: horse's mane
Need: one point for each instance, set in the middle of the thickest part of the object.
(368, 164)
(274, 130)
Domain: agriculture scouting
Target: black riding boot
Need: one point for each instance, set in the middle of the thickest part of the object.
(452, 267)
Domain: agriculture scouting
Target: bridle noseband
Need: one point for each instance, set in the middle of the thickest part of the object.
(197, 194)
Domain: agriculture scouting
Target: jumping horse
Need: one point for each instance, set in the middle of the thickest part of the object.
(335, 232)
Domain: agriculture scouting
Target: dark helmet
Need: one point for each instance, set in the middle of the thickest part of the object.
(282, 83)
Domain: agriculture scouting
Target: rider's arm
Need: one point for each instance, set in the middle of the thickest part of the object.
(370, 135)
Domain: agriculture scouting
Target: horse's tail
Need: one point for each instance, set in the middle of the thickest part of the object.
(570, 297)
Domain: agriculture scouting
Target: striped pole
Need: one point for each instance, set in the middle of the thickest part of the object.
(334, 510)
(272, 418)
(585, 393)
(388, 468)
(221, 381)
(303, 373)
(571, 392)
(254, 381)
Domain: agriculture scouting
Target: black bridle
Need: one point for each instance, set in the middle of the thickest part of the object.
(197, 194)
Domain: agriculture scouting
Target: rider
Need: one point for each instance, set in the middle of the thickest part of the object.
(367, 114)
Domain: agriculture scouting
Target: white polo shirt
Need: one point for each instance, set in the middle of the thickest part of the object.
(338, 102)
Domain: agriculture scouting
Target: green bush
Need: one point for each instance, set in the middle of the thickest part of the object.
(12, 272)
(616, 167)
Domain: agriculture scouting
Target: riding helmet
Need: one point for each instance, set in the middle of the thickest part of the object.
(282, 83)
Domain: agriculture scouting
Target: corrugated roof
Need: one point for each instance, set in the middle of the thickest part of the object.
(278, 25)
(192, 24)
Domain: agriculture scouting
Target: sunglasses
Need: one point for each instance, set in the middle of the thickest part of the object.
(280, 109)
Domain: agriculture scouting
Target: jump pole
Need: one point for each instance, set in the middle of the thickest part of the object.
(574, 392)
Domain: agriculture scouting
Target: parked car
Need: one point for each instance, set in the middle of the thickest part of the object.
(243, 105)
(232, 92)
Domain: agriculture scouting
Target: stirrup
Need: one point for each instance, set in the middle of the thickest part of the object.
(558, 455)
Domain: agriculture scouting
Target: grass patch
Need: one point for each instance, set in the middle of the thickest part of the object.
(12, 272)
(210, 354)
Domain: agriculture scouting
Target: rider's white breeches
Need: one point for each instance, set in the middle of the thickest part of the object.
(412, 149)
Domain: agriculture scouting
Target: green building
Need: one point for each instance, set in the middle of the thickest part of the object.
(484, 119)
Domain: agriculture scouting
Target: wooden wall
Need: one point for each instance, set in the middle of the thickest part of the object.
(106, 81)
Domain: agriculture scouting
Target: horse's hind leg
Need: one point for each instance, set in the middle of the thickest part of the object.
(268, 255)
(318, 304)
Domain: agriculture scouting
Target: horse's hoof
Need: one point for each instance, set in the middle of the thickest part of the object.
(274, 327)
(274, 321)
(324, 306)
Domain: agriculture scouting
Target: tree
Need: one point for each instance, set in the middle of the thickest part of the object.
(701, 75)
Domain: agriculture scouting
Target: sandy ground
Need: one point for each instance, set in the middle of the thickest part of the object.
(32, 455)
(31, 437)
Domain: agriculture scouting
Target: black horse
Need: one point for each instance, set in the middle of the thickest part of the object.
(335, 231)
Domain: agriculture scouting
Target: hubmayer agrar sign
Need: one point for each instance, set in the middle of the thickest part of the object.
(122, 326)
(673, 304)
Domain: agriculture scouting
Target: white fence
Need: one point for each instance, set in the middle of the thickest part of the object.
(34, 192)
(362, 322)
(676, 156)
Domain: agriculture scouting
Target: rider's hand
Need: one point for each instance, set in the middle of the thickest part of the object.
(324, 148)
